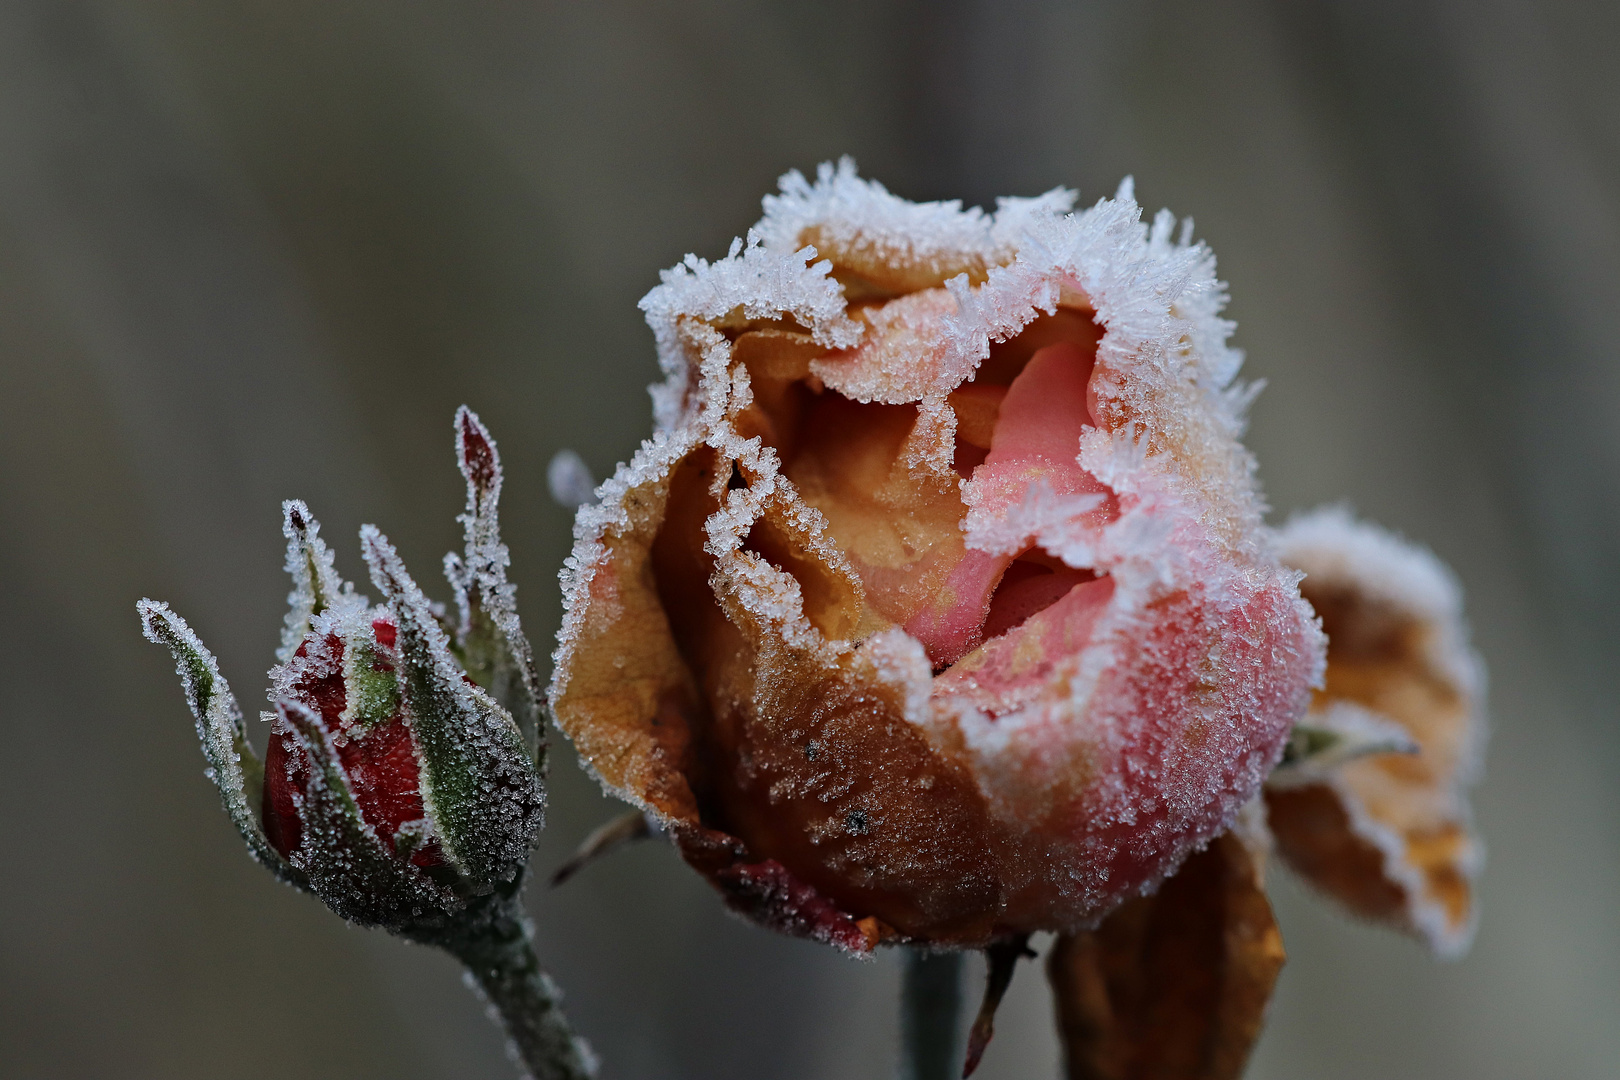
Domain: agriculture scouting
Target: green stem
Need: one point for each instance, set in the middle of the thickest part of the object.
(930, 1014)
(498, 951)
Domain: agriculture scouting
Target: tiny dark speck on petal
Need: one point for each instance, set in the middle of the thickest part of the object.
(856, 822)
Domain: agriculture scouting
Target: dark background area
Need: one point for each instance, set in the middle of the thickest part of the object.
(262, 249)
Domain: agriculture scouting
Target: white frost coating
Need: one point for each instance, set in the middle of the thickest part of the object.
(654, 460)
(847, 207)
(232, 765)
(753, 281)
(1330, 546)
(1041, 515)
(1428, 917)
(898, 659)
(1336, 551)
(483, 591)
(569, 480)
(460, 732)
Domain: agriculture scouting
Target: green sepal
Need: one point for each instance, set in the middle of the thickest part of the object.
(232, 765)
(489, 637)
(345, 862)
(372, 691)
(479, 783)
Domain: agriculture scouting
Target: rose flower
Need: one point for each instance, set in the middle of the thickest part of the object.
(939, 607)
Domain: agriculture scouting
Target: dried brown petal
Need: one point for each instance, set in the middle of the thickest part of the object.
(1388, 835)
(1172, 986)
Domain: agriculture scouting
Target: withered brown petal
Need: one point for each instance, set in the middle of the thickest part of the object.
(1388, 835)
(1172, 986)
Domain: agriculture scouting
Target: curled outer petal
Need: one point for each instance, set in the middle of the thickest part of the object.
(1174, 984)
(478, 781)
(1388, 835)
(942, 583)
(347, 865)
(232, 765)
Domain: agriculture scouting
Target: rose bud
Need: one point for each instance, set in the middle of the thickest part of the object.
(397, 787)
(939, 606)
(1371, 804)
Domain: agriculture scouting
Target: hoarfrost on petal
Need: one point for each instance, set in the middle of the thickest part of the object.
(347, 865)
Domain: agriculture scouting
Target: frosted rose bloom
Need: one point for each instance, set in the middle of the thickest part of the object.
(939, 605)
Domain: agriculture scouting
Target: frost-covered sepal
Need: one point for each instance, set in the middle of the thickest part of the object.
(479, 784)
(488, 635)
(232, 765)
(346, 863)
(317, 587)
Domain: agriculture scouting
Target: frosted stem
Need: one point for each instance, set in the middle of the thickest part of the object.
(501, 963)
(930, 1013)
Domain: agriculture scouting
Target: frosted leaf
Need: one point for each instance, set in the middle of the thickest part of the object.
(347, 866)
(479, 783)
(569, 480)
(489, 633)
(316, 585)
(232, 765)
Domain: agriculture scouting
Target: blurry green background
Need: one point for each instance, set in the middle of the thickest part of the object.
(259, 249)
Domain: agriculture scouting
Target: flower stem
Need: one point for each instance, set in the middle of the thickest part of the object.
(930, 1013)
(498, 951)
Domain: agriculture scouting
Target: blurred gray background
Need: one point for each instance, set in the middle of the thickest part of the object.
(260, 249)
